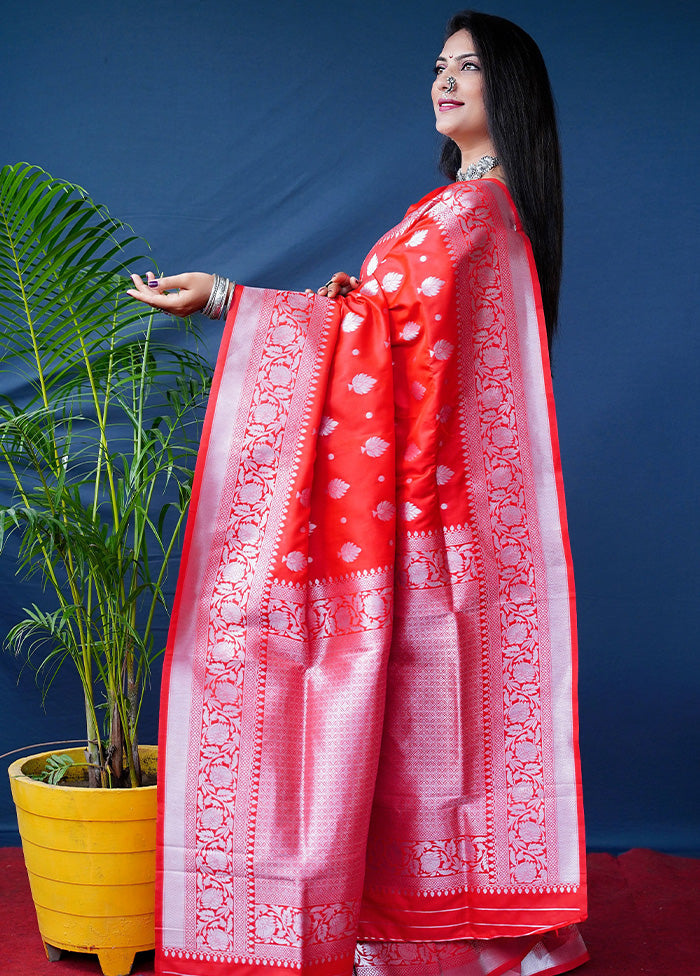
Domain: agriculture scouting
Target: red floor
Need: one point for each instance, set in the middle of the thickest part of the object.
(644, 920)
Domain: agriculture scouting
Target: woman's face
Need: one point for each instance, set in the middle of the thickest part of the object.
(459, 105)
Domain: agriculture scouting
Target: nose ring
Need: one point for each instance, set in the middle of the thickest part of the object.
(450, 85)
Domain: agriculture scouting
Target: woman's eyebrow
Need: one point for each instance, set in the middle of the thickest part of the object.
(458, 57)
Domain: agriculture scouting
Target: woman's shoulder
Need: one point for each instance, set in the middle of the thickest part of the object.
(479, 198)
(467, 195)
(483, 201)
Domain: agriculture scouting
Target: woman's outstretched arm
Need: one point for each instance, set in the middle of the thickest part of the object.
(187, 293)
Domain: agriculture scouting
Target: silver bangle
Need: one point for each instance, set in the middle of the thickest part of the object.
(229, 300)
(214, 298)
(207, 308)
(220, 297)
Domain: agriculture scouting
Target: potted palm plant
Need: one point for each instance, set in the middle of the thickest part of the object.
(97, 445)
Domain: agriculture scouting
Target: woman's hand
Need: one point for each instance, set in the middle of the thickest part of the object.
(191, 294)
(341, 284)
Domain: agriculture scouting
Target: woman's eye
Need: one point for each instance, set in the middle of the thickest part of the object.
(438, 69)
(470, 66)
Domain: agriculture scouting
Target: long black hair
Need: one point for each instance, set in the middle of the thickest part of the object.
(522, 123)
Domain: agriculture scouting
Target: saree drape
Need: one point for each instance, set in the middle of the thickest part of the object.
(368, 724)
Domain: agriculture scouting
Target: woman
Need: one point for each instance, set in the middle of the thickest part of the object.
(368, 744)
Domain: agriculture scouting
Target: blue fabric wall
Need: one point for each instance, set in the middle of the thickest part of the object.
(275, 142)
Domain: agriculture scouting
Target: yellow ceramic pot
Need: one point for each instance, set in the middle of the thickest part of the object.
(90, 856)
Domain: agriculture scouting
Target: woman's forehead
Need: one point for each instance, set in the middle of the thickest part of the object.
(456, 44)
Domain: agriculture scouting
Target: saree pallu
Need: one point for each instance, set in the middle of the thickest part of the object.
(368, 727)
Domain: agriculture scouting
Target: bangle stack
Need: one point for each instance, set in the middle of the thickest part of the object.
(220, 298)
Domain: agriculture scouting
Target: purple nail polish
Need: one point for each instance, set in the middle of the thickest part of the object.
(153, 283)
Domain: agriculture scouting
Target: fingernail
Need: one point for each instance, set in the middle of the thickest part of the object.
(153, 283)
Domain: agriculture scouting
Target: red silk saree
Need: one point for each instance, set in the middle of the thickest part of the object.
(368, 728)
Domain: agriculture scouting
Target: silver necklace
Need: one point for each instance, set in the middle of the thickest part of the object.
(475, 171)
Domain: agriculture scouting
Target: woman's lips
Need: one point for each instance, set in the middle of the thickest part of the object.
(446, 104)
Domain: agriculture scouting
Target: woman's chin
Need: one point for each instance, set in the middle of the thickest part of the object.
(445, 129)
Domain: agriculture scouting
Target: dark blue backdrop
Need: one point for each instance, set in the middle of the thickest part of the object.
(275, 143)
